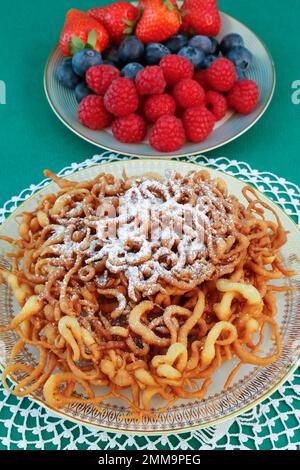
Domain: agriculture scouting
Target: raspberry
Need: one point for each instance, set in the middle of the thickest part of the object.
(129, 129)
(188, 93)
(157, 106)
(150, 81)
(216, 103)
(121, 97)
(176, 68)
(100, 77)
(198, 123)
(221, 75)
(200, 77)
(167, 134)
(92, 113)
(244, 96)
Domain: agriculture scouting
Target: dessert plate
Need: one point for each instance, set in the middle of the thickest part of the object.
(250, 386)
(262, 71)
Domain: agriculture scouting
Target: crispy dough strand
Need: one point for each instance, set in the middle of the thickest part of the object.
(130, 313)
(250, 358)
(141, 329)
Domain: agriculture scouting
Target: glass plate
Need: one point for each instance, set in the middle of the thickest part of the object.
(250, 386)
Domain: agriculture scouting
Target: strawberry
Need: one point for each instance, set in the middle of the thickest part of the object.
(80, 31)
(159, 21)
(201, 17)
(119, 19)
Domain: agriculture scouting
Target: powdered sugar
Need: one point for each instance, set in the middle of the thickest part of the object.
(156, 233)
(160, 232)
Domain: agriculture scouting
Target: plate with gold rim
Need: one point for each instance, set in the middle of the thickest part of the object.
(262, 71)
(251, 384)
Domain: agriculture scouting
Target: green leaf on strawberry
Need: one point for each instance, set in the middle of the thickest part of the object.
(140, 8)
(127, 31)
(92, 38)
(169, 5)
(76, 45)
(128, 22)
(132, 23)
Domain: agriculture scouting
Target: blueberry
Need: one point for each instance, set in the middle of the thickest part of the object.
(66, 75)
(131, 50)
(240, 74)
(230, 41)
(194, 55)
(209, 59)
(81, 91)
(215, 46)
(111, 56)
(131, 70)
(84, 60)
(240, 56)
(203, 42)
(176, 42)
(154, 52)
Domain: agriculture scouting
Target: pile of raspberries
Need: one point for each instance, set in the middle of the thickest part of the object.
(173, 101)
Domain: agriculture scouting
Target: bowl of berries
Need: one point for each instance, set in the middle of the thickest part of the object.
(159, 78)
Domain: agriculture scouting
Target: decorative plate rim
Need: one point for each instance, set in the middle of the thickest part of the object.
(65, 415)
(183, 153)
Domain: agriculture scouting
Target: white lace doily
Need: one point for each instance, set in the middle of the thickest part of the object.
(274, 424)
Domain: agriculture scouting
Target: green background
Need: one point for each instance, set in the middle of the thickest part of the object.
(32, 138)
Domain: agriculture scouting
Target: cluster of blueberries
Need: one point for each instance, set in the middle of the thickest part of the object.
(132, 56)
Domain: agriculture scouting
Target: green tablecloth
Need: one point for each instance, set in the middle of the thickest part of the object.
(32, 138)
